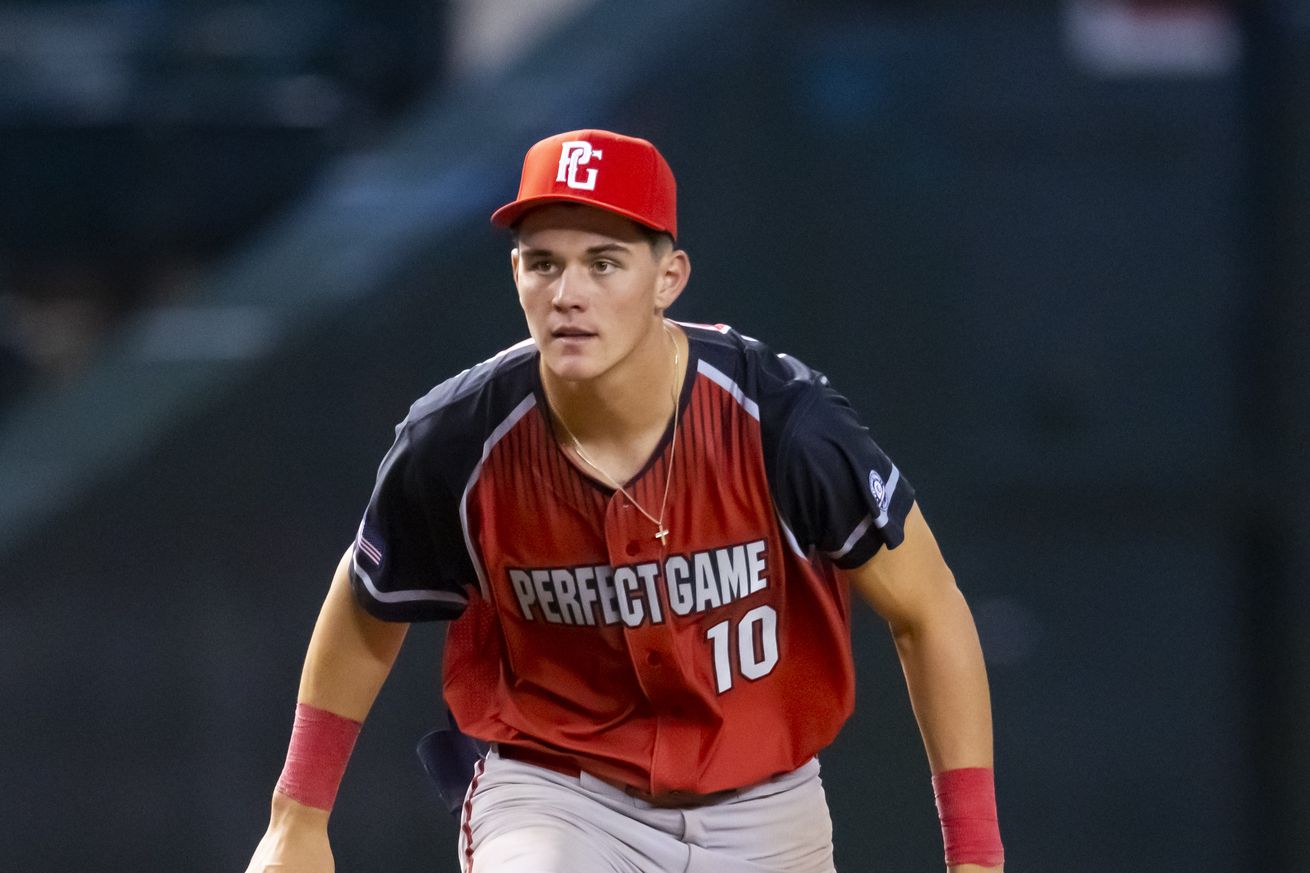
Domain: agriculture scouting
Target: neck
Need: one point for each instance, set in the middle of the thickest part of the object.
(632, 399)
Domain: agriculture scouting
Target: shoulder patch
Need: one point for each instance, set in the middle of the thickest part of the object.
(878, 489)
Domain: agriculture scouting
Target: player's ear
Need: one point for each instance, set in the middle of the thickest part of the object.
(675, 270)
(514, 263)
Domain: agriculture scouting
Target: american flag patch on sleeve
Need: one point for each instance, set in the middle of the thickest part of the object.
(368, 549)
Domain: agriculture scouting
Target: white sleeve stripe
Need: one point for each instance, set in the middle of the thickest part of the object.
(497, 435)
(380, 596)
(880, 522)
(853, 538)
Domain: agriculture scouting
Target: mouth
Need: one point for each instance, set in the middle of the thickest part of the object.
(573, 333)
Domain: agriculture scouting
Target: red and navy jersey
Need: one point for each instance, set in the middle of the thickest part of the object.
(711, 662)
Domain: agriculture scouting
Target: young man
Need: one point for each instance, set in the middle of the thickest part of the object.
(644, 534)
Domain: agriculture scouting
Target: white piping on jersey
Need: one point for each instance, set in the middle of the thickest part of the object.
(497, 435)
(398, 596)
(880, 522)
(791, 537)
(718, 377)
(721, 328)
(503, 353)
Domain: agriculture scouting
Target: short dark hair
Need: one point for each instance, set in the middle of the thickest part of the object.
(656, 238)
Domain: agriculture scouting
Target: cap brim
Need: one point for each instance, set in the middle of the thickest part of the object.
(510, 213)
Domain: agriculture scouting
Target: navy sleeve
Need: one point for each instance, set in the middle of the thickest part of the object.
(837, 490)
(410, 562)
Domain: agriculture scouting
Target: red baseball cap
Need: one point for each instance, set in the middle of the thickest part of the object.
(610, 171)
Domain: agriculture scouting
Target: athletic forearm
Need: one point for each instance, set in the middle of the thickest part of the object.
(349, 657)
(947, 681)
(350, 653)
(912, 588)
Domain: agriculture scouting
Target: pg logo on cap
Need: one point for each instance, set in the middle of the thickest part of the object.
(566, 168)
(573, 154)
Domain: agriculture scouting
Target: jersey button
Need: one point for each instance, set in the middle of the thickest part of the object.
(634, 547)
(654, 659)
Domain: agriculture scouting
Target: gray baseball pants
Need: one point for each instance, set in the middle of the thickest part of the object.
(521, 818)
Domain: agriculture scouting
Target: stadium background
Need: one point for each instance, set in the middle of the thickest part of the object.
(1057, 253)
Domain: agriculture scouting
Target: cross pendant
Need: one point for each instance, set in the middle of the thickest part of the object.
(662, 535)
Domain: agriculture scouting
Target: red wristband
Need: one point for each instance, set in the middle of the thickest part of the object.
(321, 743)
(966, 805)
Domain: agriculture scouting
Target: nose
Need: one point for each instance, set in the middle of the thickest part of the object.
(568, 291)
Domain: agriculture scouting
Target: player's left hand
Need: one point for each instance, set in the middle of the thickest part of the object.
(296, 840)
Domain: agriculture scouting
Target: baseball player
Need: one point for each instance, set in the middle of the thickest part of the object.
(644, 535)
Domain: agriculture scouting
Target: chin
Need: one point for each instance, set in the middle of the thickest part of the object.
(573, 368)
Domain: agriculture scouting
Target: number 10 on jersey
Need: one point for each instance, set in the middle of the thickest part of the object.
(756, 641)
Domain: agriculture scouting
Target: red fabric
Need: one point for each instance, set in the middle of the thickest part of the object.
(966, 805)
(321, 743)
(617, 173)
(600, 692)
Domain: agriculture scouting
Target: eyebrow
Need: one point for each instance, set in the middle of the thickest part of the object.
(591, 250)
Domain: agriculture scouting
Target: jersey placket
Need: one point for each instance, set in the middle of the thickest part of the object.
(638, 559)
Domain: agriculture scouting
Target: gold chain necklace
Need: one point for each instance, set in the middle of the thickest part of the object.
(661, 532)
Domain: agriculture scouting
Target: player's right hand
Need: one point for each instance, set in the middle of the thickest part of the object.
(280, 852)
(296, 841)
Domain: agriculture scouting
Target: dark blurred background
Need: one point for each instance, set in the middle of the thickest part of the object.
(1057, 254)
